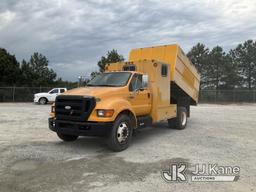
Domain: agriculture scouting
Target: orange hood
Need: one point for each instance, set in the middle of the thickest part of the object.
(94, 91)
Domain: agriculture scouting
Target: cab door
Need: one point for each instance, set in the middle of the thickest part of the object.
(139, 96)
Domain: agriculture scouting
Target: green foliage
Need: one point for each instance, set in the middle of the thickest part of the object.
(222, 72)
(36, 72)
(217, 69)
(26, 73)
(216, 59)
(199, 56)
(9, 69)
(111, 57)
(230, 78)
(33, 73)
(244, 56)
(60, 83)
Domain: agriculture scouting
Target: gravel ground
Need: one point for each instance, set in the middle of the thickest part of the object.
(32, 158)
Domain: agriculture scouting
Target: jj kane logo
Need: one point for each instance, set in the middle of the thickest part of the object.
(200, 173)
(175, 173)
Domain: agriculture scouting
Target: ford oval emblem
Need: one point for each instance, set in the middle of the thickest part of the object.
(68, 107)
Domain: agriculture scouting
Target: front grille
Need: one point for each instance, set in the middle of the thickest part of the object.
(74, 108)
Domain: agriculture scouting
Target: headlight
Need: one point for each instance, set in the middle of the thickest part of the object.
(105, 112)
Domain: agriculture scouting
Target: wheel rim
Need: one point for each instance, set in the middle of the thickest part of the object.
(42, 101)
(122, 132)
(183, 118)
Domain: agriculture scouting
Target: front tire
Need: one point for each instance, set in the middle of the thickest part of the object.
(67, 138)
(120, 136)
(180, 121)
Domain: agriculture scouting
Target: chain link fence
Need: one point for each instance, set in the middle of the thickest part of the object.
(20, 94)
(227, 96)
(26, 94)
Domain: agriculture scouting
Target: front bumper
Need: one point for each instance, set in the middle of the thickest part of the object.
(80, 128)
(36, 100)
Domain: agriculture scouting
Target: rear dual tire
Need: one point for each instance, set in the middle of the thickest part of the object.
(180, 121)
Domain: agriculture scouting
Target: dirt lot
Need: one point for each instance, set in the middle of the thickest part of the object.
(32, 158)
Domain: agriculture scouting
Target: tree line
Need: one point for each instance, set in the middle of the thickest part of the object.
(32, 73)
(235, 69)
(221, 70)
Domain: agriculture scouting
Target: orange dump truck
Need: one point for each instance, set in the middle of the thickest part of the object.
(156, 84)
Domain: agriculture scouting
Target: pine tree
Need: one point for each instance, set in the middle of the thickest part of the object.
(244, 56)
(199, 55)
(111, 57)
(9, 69)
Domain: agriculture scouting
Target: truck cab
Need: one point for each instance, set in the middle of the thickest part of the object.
(127, 96)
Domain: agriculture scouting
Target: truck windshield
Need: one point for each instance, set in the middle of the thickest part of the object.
(115, 79)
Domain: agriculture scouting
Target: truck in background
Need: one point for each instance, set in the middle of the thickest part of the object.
(50, 96)
(156, 84)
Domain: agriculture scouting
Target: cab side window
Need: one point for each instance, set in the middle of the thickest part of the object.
(54, 91)
(136, 82)
(62, 90)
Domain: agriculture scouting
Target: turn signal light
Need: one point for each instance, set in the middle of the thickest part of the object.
(105, 112)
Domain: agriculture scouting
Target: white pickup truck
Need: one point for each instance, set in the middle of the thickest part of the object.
(44, 98)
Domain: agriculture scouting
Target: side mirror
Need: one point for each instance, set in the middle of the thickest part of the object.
(144, 81)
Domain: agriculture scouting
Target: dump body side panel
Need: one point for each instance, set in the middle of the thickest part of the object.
(182, 72)
(186, 76)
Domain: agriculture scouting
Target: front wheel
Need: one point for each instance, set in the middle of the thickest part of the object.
(120, 136)
(180, 121)
(42, 101)
(65, 137)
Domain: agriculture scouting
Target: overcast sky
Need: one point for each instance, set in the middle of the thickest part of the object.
(75, 34)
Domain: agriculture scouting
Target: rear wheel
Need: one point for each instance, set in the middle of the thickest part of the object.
(65, 137)
(180, 121)
(120, 136)
(42, 101)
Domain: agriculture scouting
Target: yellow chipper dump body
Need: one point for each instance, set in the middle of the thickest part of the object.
(184, 77)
